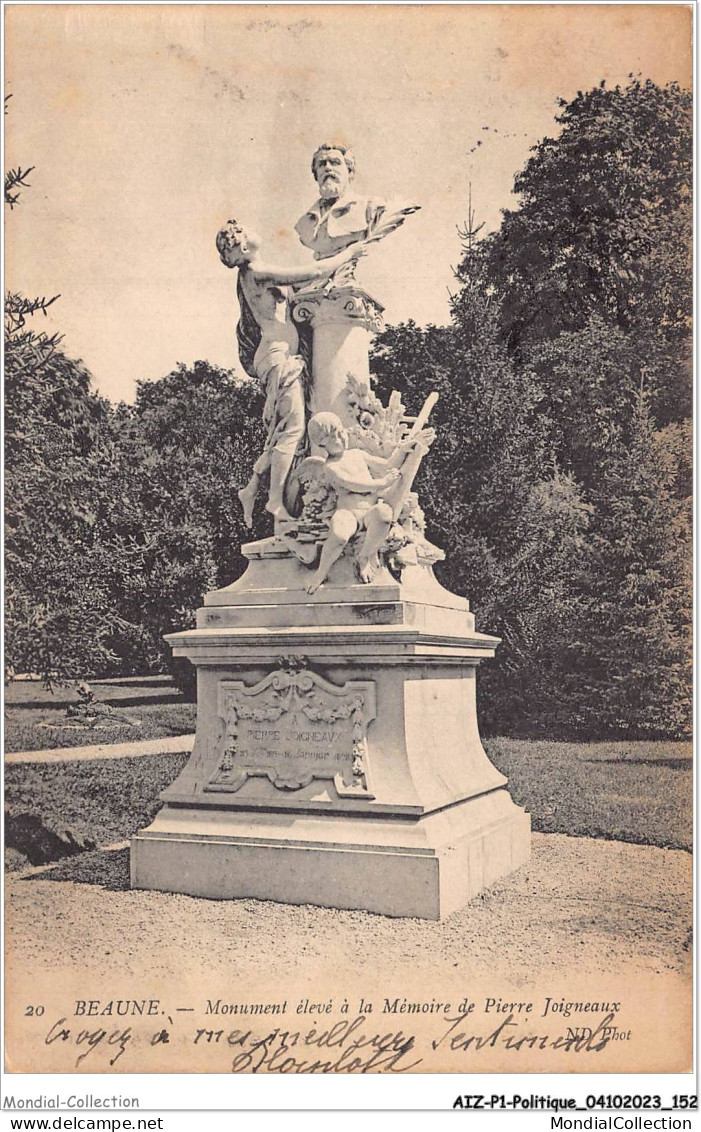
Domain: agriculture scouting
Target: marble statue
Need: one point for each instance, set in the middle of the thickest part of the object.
(337, 759)
(317, 391)
(369, 491)
(268, 344)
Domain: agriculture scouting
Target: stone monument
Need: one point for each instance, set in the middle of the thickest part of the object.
(337, 758)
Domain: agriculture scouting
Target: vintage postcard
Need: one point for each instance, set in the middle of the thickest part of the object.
(348, 403)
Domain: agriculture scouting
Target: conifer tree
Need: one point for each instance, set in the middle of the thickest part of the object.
(633, 663)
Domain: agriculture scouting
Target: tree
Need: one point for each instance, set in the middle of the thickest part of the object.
(118, 519)
(15, 179)
(202, 428)
(592, 273)
(603, 231)
(35, 347)
(495, 500)
(185, 447)
(591, 380)
(59, 614)
(633, 665)
(536, 602)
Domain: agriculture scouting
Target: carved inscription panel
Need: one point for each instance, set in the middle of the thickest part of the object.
(294, 727)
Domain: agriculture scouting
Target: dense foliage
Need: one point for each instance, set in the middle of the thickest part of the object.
(603, 232)
(118, 518)
(558, 485)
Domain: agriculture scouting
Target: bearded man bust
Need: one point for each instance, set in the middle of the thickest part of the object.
(339, 217)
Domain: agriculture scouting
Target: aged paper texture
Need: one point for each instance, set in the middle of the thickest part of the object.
(148, 126)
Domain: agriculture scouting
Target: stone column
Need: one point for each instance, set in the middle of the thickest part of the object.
(342, 320)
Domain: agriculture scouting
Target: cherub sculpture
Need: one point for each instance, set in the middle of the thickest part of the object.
(370, 490)
(268, 345)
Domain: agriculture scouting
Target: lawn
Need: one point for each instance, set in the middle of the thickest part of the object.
(149, 707)
(635, 791)
(627, 791)
(100, 801)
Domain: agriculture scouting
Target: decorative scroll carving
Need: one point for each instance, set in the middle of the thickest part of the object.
(338, 304)
(293, 727)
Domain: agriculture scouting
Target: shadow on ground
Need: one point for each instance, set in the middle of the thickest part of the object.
(36, 840)
(106, 868)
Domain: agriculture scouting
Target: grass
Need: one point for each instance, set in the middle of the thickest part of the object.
(628, 791)
(103, 800)
(633, 791)
(146, 708)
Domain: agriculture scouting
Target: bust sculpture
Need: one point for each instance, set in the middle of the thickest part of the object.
(336, 321)
(339, 217)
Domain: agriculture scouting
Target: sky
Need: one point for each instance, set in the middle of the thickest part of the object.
(151, 125)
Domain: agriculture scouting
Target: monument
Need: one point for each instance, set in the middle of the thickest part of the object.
(337, 759)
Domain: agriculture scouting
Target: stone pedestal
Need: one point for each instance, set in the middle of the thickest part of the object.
(337, 759)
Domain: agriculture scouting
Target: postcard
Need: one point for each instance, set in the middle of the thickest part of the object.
(348, 373)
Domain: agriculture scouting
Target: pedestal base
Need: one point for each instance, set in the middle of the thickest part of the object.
(426, 868)
(337, 759)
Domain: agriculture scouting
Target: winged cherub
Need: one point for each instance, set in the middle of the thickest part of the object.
(364, 501)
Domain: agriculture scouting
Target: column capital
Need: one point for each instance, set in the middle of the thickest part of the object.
(339, 305)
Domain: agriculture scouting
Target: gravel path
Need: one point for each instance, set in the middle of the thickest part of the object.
(584, 903)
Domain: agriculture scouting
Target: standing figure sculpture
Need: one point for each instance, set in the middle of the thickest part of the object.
(268, 345)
